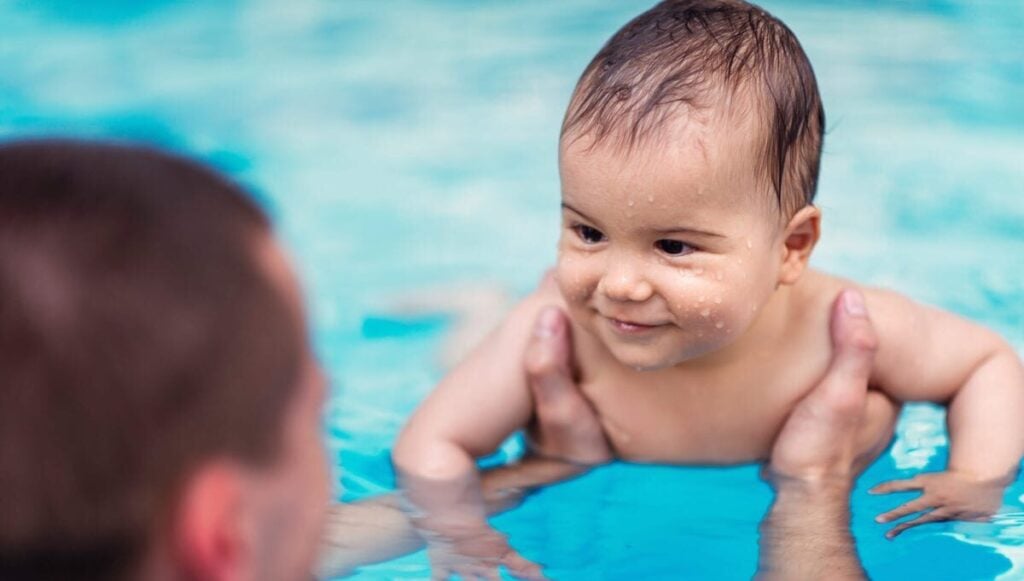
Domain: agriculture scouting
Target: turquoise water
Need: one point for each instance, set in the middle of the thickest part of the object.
(409, 144)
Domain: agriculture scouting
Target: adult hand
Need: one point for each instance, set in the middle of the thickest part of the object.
(840, 426)
(566, 438)
(565, 425)
(831, 435)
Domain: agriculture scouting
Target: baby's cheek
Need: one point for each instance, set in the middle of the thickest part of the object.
(740, 305)
(573, 278)
(706, 304)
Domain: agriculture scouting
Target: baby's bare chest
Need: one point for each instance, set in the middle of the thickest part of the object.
(693, 420)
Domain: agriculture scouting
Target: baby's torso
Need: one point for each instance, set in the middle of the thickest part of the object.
(706, 417)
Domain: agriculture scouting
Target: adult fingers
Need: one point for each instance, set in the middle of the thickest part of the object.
(820, 437)
(915, 483)
(547, 360)
(843, 390)
(566, 426)
(916, 505)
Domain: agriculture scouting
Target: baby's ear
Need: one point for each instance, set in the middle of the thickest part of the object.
(798, 241)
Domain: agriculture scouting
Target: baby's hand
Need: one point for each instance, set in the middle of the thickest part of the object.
(945, 496)
(474, 551)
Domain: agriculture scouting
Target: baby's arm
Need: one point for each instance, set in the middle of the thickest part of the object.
(930, 355)
(475, 407)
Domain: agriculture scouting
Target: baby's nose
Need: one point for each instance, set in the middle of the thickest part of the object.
(623, 284)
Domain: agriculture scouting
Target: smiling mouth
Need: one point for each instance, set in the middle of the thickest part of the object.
(632, 328)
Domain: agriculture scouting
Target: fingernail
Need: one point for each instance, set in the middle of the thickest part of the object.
(880, 519)
(547, 323)
(853, 302)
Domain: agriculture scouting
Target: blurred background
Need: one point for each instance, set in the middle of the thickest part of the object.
(403, 145)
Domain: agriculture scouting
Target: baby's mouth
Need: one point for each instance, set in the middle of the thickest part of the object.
(632, 327)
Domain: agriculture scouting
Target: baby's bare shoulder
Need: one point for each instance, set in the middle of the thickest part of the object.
(923, 352)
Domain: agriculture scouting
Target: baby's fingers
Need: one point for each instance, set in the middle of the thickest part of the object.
(917, 505)
(933, 516)
(522, 568)
(915, 483)
(476, 573)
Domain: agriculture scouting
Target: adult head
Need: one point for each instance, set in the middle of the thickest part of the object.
(159, 404)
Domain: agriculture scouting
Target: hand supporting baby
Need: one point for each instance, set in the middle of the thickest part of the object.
(565, 439)
(841, 425)
(813, 447)
(834, 432)
(828, 439)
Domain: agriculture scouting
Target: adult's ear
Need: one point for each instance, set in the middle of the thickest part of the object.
(209, 539)
(799, 239)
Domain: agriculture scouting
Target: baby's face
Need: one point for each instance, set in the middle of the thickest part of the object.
(669, 252)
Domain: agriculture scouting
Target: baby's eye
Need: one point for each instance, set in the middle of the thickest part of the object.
(589, 235)
(673, 247)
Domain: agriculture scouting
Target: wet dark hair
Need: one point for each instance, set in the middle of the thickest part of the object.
(140, 335)
(692, 55)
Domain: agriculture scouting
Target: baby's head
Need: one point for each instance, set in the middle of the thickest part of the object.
(689, 160)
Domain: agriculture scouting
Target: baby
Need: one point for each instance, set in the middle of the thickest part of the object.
(689, 160)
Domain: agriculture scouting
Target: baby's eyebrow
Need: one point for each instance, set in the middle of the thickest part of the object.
(673, 230)
(585, 217)
(680, 229)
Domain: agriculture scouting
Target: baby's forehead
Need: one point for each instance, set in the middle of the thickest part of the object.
(720, 145)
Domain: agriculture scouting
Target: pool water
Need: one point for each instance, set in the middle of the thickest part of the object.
(411, 144)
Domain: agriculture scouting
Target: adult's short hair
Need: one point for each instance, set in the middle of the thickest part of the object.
(139, 337)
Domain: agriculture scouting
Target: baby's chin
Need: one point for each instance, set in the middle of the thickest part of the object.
(649, 358)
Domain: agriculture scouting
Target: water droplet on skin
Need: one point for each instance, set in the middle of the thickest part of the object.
(719, 325)
(631, 203)
(700, 299)
(718, 276)
(705, 313)
(698, 271)
(749, 244)
(739, 261)
(718, 300)
(650, 199)
(753, 308)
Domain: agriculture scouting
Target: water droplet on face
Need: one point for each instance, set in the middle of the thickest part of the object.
(739, 261)
(718, 276)
(705, 313)
(750, 244)
(753, 308)
(719, 325)
(718, 300)
(631, 203)
(650, 199)
(698, 271)
(700, 299)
